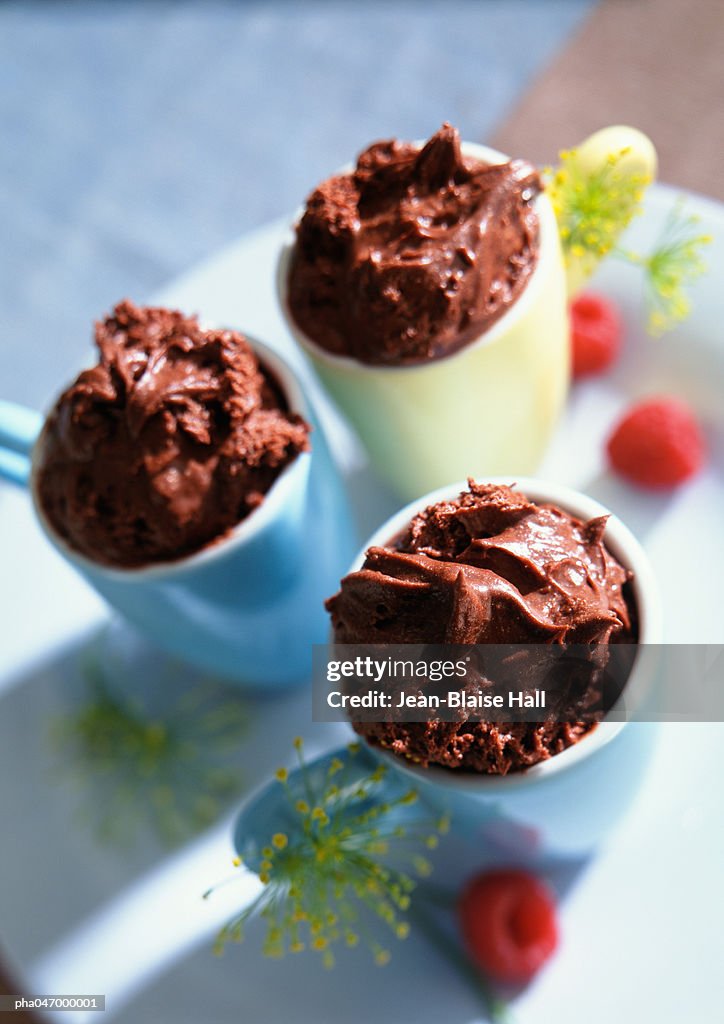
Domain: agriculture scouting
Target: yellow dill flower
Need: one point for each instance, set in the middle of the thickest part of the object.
(595, 194)
(326, 866)
(674, 263)
(129, 749)
(594, 201)
(320, 815)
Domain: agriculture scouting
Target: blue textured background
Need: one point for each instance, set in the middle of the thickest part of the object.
(137, 137)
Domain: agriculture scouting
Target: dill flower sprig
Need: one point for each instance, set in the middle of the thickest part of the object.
(673, 264)
(166, 772)
(595, 196)
(346, 853)
(593, 206)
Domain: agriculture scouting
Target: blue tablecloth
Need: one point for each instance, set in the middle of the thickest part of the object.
(137, 137)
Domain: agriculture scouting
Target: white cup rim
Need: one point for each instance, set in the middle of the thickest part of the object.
(244, 531)
(626, 548)
(549, 247)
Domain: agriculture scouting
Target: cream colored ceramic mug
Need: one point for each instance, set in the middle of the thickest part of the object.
(488, 408)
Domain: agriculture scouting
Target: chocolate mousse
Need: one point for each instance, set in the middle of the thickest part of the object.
(489, 567)
(172, 439)
(413, 254)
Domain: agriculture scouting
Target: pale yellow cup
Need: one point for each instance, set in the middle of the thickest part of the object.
(487, 409)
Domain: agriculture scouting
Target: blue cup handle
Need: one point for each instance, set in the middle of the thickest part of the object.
(19, 430)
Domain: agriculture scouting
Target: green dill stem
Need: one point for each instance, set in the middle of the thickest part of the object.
(305, 776)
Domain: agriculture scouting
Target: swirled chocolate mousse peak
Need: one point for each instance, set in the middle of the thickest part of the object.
(174, 437)
(414, 253)
(490, 566)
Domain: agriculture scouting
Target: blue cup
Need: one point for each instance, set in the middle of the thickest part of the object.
(561, 808)
(248, 606)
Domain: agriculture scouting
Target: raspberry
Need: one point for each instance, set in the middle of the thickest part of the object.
(508, 921)
(595, 333)
(658, 443)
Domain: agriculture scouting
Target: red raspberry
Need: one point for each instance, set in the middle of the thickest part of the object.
(595, 333)
(508, 921)
(658, 443)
